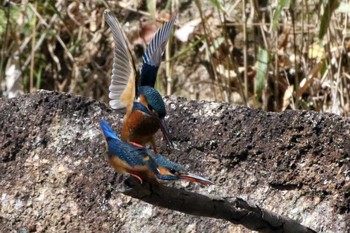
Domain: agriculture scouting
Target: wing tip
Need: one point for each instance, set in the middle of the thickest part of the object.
(111, 19)
(156, 48)
(116, 104)
(107, 12)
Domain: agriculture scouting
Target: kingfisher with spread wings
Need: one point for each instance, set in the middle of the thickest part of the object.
(145, 108)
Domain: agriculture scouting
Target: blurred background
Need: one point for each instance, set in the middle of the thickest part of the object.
(273, 55)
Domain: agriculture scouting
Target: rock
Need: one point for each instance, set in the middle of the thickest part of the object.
(54, 176)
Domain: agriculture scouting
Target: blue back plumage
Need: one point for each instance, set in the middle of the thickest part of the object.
(154, 100)
(148, 74)
(130, 154)
(153, 55)
(170, 165)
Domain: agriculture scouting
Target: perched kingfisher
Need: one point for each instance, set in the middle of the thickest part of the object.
(176, 171)
(145, 108)
(142, 163)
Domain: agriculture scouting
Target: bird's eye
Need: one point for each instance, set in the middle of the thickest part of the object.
(173, 171)
(150, 107)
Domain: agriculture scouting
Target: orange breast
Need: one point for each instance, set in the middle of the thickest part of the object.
(142, 171)
(139, 128)
(118, 164)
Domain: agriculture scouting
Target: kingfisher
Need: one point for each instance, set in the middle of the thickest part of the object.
(176, 171)
(145, 108)
(143, 163)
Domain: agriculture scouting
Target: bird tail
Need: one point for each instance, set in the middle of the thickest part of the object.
(108, 131)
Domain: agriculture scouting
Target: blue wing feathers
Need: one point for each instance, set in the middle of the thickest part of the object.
(153, 55)
(125, 151)
(148, 75)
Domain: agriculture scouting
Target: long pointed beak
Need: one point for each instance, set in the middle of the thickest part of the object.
(165, 131)
(195, 178)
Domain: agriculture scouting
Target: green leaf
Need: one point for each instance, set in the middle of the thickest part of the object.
(218, 5)
(261, 72)
(187, 49)
(38, 78)
(14, 14)
(276, 16)
(216, 44)
(328, 11)
(151, 7)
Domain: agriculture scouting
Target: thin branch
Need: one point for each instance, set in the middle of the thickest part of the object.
(245, 50)
(32, 54)
(237, 211)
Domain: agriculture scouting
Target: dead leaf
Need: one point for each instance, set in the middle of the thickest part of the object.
(287, 96)
(186, 30)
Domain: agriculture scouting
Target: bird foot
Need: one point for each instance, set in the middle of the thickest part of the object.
(136, 144)
(138, 178)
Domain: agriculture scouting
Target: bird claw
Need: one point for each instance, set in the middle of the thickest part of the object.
(136, 144)
(138, 178)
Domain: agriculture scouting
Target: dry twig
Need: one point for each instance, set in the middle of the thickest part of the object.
(237, 211)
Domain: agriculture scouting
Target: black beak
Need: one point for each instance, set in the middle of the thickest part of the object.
(165, 131)
(164, 128)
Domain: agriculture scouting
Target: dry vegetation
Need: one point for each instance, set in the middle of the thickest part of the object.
(273, 55)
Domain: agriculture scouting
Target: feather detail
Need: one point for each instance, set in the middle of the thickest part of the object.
(123, 83)
(153, 55)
